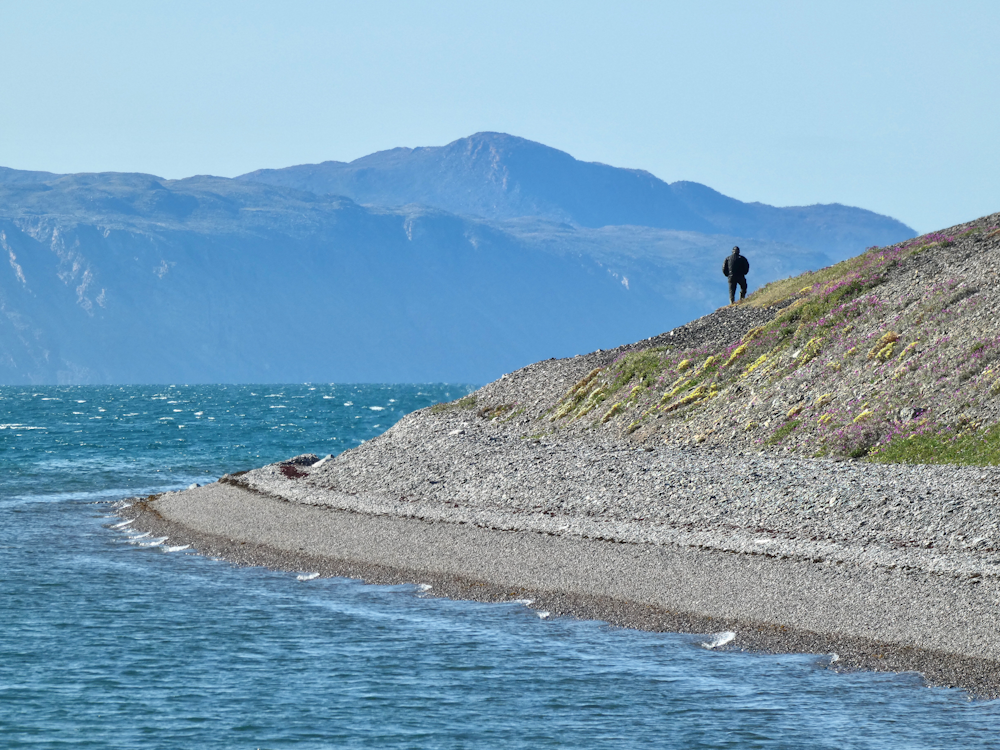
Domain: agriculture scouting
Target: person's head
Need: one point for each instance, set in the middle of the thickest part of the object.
(736, 251)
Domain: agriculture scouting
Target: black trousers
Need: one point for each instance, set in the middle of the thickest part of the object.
(733, 281)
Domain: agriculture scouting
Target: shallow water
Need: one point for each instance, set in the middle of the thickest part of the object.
(109, 642)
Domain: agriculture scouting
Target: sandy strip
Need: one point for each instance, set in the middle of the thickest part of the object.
(873, 618)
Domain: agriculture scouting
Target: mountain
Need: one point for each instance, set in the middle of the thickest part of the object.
(499, 177)
(131, 278)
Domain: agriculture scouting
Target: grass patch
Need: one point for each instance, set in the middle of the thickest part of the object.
(644, 366)
(979, 448)
(466, 402)
(784, 431)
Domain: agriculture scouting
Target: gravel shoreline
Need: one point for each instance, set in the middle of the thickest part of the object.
(889, 567)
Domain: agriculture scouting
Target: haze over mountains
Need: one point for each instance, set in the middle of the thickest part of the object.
(464, 262)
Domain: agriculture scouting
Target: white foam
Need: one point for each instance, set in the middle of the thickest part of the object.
(834, 658)
(123, 523)
(153, 542)
(15, 426)
(525, 602)
(139, 536)
(306, 576)
(177, 548)
(718, 639)
(424, 586)
(543, 615)
(376, 408)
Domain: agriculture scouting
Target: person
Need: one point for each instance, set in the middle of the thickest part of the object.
(736, 268)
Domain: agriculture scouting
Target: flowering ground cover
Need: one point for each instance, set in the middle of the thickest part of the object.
(891, 356)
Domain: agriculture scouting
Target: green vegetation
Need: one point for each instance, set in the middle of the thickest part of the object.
(466, 402)
(971, 448)
(784, 431)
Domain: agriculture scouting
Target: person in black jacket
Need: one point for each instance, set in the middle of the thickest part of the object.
(736, 268)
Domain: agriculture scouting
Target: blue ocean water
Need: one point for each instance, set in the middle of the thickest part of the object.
(105, 643)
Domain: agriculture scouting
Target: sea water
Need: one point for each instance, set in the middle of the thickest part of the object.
(112, 641)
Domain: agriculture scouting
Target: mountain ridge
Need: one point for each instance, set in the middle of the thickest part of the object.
(500, 177)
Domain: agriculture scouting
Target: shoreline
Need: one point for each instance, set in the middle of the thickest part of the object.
(892, 567)
(772, 603)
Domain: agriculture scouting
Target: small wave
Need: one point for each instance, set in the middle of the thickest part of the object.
(15, 426)
(525, 602)
(834, 658)
(153, 542)
(376, 408)
(424, 586)
(348, 403)
(178, 548)
(718, 639)
(307, 576)
(543, 615)
(123, 524)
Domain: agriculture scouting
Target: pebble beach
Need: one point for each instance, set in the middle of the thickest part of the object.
(881, 567)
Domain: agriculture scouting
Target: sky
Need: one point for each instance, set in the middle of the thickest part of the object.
(890, 106)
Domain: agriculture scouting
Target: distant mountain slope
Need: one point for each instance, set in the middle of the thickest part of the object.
(500, 177)
(117, 278)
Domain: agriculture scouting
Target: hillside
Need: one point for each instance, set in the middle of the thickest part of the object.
(501, 177)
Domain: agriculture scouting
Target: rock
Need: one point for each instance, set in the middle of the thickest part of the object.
(306, 459)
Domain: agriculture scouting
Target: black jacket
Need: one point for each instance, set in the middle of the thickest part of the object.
(736, 266)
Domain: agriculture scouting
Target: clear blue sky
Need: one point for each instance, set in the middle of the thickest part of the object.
(892, 106)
